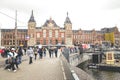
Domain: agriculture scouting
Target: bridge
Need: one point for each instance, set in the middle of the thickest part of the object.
(47, 69)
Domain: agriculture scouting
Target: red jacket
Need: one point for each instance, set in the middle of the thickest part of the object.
(1, 51)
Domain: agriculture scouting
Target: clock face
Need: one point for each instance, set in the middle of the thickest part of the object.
(50, 24)
(31, 27)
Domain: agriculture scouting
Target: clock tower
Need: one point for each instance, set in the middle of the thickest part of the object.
(68, 31)
(31, 31)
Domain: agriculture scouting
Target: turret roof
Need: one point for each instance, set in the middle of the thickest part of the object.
(67, 20)
(32, 18)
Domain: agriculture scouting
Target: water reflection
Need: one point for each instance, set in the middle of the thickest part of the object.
(100, 75)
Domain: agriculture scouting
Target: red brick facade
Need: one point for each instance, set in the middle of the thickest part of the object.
(52, 34)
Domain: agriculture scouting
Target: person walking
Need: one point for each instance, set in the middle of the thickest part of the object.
(40, 52)
(30, 53)
(12, 60)
(66, 52)
(20, 54)
(80, 49)
(44, 51)
(35, 52)
(50, 52)
(56, 51)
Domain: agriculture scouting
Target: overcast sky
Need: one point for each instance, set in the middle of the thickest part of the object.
(84, 14)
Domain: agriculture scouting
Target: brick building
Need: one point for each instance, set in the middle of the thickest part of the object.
(52, 34)
(49, 33)
(8, 37)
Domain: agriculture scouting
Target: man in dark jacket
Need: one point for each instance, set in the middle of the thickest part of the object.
(20, 54)
(66, 52)
(40, 53)
(80, 49)
(56, 50)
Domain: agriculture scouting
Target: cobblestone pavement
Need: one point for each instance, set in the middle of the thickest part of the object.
(41, 69)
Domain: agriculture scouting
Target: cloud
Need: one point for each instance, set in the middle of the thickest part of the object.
(83, 13)
(113, 4)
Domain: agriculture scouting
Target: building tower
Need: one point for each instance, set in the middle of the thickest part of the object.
(68, 31)
(31, 31)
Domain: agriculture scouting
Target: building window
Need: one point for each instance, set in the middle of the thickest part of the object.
(8, 42)
(5, 36)
(50, 33)
(63, 41)
(62, 35)
(44, 42)
(44, 33)
(38, 35)
(13, 42)
(50, 41)
(4, 42)
(10, 36)
(22, 36)
(56, 33)
(31, 35)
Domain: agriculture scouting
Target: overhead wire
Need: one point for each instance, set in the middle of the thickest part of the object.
(12, 18)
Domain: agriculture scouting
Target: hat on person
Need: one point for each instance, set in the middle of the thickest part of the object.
(13, 49)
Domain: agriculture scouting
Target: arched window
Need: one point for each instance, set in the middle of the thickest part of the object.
(44, 42)
(44, 33)
(50, 41)
(63, 42)
(50, 33)
(56, 33)
(38, 35)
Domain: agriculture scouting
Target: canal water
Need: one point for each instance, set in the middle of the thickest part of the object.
(98, 74)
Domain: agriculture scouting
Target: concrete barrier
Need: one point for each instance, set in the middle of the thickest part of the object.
(74, 60)
(69, 72)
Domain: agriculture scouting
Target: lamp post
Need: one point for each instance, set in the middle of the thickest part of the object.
(16, 30)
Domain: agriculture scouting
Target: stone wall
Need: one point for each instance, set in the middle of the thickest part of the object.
(75, 59)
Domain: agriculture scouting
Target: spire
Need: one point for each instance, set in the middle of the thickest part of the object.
(67, 19)
(50, 19)
(32, 18)
(67, 14)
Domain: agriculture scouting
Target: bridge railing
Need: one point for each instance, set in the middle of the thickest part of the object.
(73, 58)
(70, 73)
(73, 61)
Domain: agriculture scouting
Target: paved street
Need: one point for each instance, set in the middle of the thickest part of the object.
(41, 69)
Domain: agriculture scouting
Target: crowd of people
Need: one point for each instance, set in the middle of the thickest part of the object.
(14, 56)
